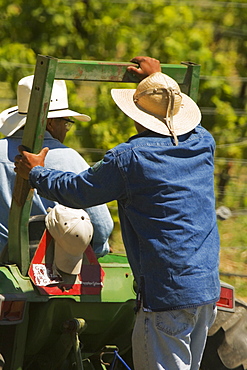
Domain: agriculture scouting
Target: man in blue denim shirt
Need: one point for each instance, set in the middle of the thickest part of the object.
(163, 180)
(60, 157)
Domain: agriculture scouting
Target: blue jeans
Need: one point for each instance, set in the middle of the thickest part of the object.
(171, 340)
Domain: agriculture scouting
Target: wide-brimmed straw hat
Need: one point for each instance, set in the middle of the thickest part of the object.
(12, 119)
(159, 105)
(72, 231)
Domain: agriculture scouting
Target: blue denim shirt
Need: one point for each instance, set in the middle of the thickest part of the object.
(61, 158)
(166, 204)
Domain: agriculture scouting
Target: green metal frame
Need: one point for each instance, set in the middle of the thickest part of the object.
(47, 69)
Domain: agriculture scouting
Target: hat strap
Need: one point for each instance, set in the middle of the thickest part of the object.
(169, 114)
(170, 108)
(12, 111)
(52, 110)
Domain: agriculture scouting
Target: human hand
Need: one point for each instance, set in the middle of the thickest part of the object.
(146, 66)
(25, 161)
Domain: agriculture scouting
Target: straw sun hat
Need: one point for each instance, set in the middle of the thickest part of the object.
(158, 105)
(12, 119)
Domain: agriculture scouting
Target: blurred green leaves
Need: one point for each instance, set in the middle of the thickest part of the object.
(210, 33)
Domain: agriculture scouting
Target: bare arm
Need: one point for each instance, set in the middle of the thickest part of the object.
(146, 66)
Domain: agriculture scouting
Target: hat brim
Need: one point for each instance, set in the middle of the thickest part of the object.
(188, 117)
(66, 262)
(11, 120)
(68, 113)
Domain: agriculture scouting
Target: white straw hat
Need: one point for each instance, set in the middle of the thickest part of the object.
(72, 231)
(158, 105)
(12, 119)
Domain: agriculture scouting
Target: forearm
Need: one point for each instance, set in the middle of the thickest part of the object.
(83, 190)
(55, 185)
(58, 186)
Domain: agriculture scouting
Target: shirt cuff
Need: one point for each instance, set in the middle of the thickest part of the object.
(33, 175)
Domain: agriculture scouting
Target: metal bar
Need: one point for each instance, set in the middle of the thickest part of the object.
(109, 71)
(77, 351)
(186, 74)
(20, 342)
(191, 81)
(18, 241)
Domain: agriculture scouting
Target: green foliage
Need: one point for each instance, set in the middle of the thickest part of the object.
(233, 252)
(16, 61)
(202, 32)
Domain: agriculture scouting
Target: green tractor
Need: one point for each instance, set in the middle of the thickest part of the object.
(86, 322)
